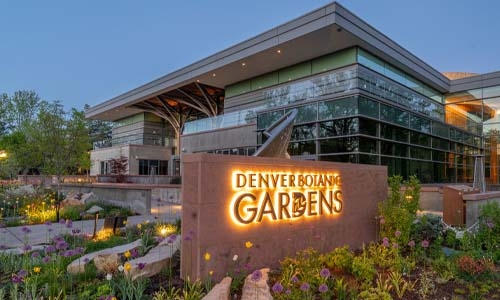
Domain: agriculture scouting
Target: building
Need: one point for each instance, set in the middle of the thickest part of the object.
(361, 98)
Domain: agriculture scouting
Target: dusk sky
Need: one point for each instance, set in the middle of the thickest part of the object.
(86, 52)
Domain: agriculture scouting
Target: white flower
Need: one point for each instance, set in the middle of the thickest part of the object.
(235, 257)
(121, 268)
(109, 276)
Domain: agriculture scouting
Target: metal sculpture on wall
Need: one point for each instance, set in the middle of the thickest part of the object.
(278, 136)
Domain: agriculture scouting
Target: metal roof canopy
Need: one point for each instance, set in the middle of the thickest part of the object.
(323, 31)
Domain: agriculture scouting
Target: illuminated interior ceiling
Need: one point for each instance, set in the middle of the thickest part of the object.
(189, 102)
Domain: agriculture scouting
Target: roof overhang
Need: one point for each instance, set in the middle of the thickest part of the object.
(325, 30)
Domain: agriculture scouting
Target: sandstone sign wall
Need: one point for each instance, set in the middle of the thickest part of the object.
(244, 213)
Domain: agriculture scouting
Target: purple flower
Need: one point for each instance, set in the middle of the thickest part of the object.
(86, 260)
(69, 223)
(50, 249)
(68, 253)
(171, 238)
(16, 279)
(294, 279)
(425, 243)
(305, 286)
(323, 288)
(411, 243)
(3, 247)
(325, 273)
(397, 233)
(22, 273)
(288, 291)
(27, 248)
(256, 275)
(75, 231)
(35, 254)
(25, 230)
(61, 245)
(141, 266)
(62, 221)
(277, 288)
(134, 253)
(395, 245)
(79, 250)
(490, 224)
(48, 223)
(385, 242)
(46, 259)
(382, 221)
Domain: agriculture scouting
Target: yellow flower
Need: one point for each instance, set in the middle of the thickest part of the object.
(207, 256)
(127, 254)
(248, 244)
(127, 266)
(139, 226)
(37, 269)
(211, 272)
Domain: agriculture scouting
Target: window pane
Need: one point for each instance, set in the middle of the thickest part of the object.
(368, 107)
(368, 127)
(338, 108)
(336, 128)
(339, 145)
(304, 132)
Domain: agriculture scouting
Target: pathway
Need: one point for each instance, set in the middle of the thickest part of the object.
(16, 237)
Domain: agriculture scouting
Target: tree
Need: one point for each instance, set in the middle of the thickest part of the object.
(99, 131)
(22, 107)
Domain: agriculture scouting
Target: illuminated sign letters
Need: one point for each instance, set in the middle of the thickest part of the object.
(283, 196)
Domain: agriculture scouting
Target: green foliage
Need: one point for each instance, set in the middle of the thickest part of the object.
(399, 211)
(363, 268)
(167, 294)
(489, 226)
(127, 289)
(339, 259)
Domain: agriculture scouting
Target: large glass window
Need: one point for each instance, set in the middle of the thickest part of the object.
(264, 120)
(368, 107)
(338, 108)
(340, 127)
(421, 139)
(393, 115)
(394, 133)
(306, 113)
(339, 145)
(153, 167)
(304, 132)
(302, 148)
(420, 123)
(368, 127)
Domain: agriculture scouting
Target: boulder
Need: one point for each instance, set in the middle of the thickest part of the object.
(71, 202)
(107, 263)
(221, 291)
(78, 265)
(88, 197)
(156, 260)
(257, 289)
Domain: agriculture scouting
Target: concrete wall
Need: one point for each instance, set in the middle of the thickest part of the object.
(473, 204)
(137, 197)
(242, 136)
(133, 152)
(209, 194)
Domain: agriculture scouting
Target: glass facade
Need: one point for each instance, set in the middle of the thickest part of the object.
(371, 113)
(478, 111)
(353, 107)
